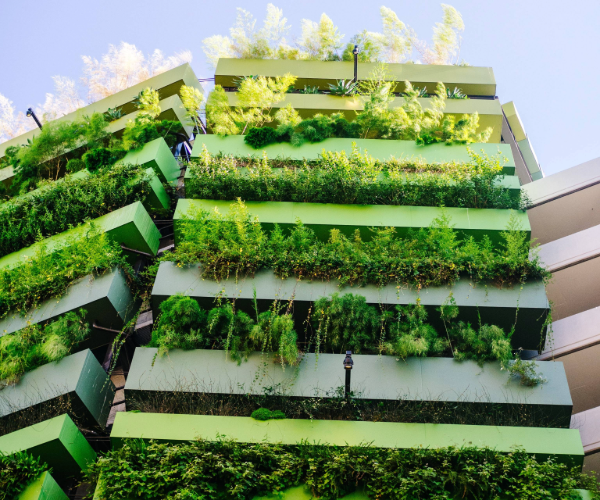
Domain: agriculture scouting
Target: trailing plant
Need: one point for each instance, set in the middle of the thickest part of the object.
(37, 345)
(339, 323)
(17, 471)
(61, 205)
(357, 178)
(236, 245)
(49, 273)
(266, 414)
(182, 324)
(212, 470)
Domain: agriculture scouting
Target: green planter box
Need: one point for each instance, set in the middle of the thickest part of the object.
(493, 305)
(157, 198)
(308, 105)
(472, 80)
(78, 377)
(156, 154)
(168, 85)
(381, 150)
(106, 298)
(416, 379)
(130, 226)
(564, 444)
(322, 217)
(43, 488)
(57, 442)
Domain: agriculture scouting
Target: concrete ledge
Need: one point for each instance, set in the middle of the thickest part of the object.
(564, 444)
(156, 154)
(490, 304)
(323, 217)
(381, 150)
(471, 80)
(78, 376)
(57, 442)
(416, 379)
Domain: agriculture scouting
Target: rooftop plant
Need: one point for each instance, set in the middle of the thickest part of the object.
(17, 471)
(48, 273)
(236, 245)
(322, 40)
(37, 345)
(336, 177)
(61, 205)
(212, 470)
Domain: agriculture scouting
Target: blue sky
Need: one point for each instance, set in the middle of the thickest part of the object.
(545, 55)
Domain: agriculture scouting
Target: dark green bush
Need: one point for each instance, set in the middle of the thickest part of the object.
(17, 471)
(260, 137)
(75, 165)
(213, 470)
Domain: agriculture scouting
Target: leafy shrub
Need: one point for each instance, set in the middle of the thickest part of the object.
(266, 414)
(25, 219)
(236, 245)
(260, 137)
(75, 165)
(212, 470)
(36, 345)
(48, 274)
(336, 177)
(17, 471)
(98, 158)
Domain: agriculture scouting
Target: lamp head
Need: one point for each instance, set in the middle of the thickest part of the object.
(348, 361)
(355, 51)
(29, 112)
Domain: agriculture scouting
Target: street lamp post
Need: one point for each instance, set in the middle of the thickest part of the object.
(32, 114)
(348, 363)
(355, 52)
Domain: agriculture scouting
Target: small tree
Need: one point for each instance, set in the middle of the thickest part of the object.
(192, 99)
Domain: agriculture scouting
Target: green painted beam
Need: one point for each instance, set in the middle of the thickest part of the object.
(168, 85)
(307, 105)
(106, 298)
(323, 217)
(57, 442)
(43, 488)
(78, 376)
(156, 154)
(303, 493)
(130, 226)
(497, 306)
(471, 80)
(564, 444)
(514, 120)
(381, 150)
(416, 379)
